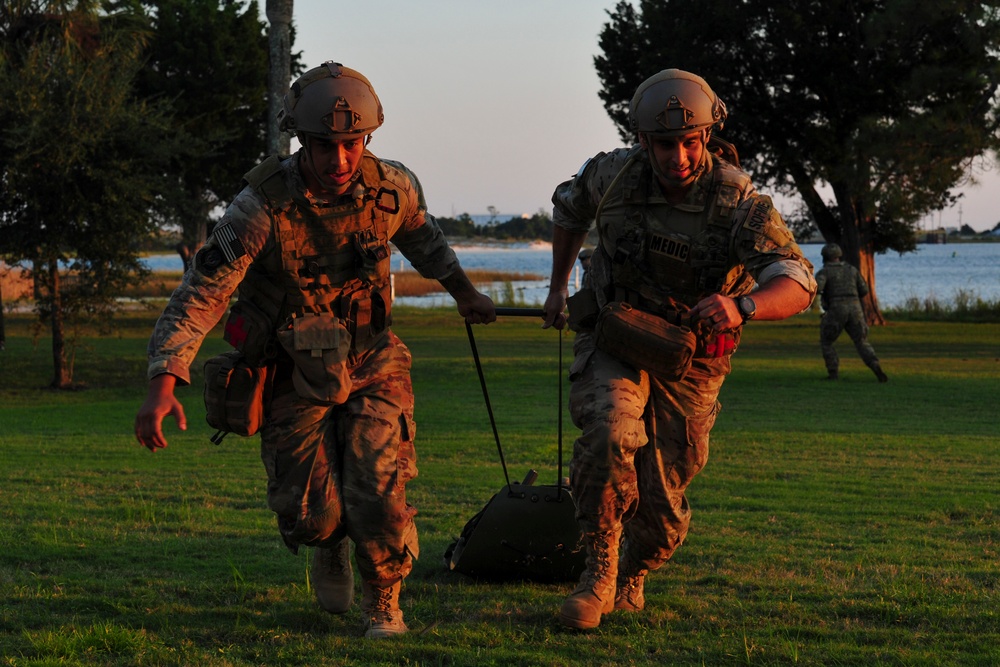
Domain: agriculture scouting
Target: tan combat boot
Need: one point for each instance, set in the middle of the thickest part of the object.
(595, 594)
(332, 577)
(629, 596)
(380, 610)
(631, 577)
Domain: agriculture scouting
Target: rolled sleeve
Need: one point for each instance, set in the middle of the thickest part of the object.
(797, 271)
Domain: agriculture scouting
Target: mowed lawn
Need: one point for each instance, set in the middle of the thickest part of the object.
(837, 523)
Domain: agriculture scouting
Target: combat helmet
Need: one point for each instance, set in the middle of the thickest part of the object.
(331, 100)
(831, 251)
(674, 102)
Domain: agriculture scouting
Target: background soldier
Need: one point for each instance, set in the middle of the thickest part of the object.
(840, 287)
(306, 242)
(683, 235)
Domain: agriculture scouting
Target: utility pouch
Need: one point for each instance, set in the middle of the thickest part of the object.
(645, 341)
(235, 392)
(583, 310)
(319, 344)
(251, 332)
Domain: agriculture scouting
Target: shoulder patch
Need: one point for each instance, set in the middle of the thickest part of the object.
(760, 212)
(399, 175)
(208, 260)
(228, 243)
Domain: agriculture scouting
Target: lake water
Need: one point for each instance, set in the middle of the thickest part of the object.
(938, 271)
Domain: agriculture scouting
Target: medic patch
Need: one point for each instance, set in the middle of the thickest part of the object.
(673, 248)
(228, 243)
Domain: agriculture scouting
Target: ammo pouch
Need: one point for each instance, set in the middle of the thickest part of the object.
(251, 332)
(235, 392)
(583, 309)
(319, 345)
(645, 341)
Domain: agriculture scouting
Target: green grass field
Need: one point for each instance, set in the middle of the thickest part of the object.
(837, 523)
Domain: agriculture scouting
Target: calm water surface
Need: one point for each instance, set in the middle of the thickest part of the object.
(938, 271)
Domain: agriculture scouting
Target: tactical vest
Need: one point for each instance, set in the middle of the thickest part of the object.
(334, 259)
(841, 281)
(664, 256)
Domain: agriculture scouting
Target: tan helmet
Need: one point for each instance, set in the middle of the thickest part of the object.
(674, 102)
(331, 100)
(831, 251)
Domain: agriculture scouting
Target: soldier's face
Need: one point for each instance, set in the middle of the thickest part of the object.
(331, 164)
(677, 157)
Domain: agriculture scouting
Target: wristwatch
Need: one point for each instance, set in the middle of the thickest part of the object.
(747, 308)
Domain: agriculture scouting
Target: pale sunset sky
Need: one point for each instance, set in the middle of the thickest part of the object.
(495, 103)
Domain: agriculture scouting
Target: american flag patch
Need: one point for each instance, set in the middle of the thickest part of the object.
(227, 241)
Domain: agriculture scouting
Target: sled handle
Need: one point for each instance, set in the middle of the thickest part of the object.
(524, 312)
(520, 312)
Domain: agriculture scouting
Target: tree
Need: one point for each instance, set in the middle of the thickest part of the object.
(209, 58)
(888, 104)
(82, 160)
(279, 15)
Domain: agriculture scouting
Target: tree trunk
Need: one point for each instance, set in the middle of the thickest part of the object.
(279, 15)
(3, 327)
(195, 230)
(853, 233)
(873, 313)
(62, 376)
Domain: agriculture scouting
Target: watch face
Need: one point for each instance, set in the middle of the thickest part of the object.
(747, 307)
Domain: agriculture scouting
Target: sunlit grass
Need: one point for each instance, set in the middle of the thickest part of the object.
(837, 523)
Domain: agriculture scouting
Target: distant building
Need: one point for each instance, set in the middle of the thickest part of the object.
(939, 235)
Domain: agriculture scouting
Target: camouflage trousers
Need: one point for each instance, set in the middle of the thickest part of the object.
(845, 315)
(341, 470)
(642, 441)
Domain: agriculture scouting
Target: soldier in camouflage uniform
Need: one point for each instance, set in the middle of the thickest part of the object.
(683, 235)
(840, 287)
(306, 243)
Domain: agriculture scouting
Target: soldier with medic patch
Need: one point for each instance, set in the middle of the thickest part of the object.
(306, 244)
(840, 287)
(688, 254)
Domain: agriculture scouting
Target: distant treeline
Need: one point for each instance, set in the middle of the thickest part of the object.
(535, 227)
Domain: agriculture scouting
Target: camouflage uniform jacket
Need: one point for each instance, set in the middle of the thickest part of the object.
(245, 241)
(720, 239)
(839, 281)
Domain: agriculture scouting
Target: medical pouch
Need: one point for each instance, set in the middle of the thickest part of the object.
(646, 341)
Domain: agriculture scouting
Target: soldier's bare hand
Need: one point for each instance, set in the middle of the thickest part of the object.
(478, 310)
(160, 402)
(555, 310)
(719, 312)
